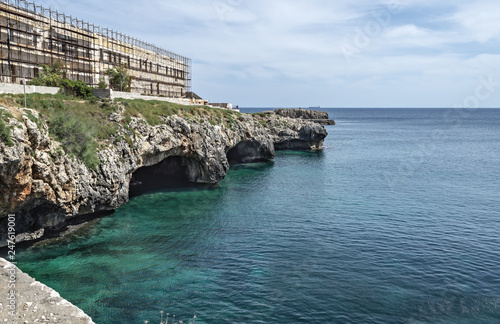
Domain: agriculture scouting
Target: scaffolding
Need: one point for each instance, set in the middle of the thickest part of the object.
(31, 35)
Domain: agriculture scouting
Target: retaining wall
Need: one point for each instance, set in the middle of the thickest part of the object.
(19, 89)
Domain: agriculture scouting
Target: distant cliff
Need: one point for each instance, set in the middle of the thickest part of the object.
(44, 185)
(320, 117)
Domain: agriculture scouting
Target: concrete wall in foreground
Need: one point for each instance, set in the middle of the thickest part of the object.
(24, 300)
(19, 89)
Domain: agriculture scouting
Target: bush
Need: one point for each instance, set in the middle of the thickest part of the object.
(118, 79)
(52, 76)
(102, 84)
(76, 88)
(49, 76)
(5, 131)
(77, 137)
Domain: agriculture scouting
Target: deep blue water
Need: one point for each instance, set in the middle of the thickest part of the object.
(397, 220)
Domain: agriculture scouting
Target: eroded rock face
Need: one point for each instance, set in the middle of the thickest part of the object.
(250, 151)
(320, 117)
(302, 113)
(292, 133)
(44, 187)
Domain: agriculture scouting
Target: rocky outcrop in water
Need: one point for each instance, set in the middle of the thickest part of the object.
(292, 133)
(320, 117)
(44, 187)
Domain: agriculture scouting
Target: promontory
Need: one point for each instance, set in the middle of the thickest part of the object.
(64, 157)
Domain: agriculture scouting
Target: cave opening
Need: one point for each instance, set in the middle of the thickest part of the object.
(249, 152)
(35, 216)
(170, 173)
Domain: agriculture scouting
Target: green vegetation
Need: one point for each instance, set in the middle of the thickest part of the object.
(77, 124)
(102, 84)
(4, 129)
(260, 114)
(50, 75)
(76, 136)
(53, 76)
(153, 111)
(119, 79)
(38, 121)
(76, 88)
(82, 126)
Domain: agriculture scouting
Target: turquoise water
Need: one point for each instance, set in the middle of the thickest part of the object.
(396, 221)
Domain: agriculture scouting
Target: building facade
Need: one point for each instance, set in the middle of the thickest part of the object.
(32, 35)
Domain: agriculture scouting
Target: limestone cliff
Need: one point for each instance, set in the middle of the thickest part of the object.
(320, 117)
(43, 186)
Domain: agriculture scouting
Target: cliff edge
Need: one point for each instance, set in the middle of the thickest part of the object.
(48, 174)
(320, 117)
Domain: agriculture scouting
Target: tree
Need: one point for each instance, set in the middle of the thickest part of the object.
(53, 76)
(102, 84)
(119, 79)
(50, 75)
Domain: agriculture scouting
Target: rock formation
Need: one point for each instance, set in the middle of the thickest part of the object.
(44, 187)
(320, 117)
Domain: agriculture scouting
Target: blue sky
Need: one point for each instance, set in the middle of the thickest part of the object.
(343, 53)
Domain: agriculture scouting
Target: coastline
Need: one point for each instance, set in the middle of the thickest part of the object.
(61, 194)
(46, 186)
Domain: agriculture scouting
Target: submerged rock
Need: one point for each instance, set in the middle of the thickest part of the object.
(44, 187)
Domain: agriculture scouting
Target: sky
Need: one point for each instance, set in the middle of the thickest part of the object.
(342, 53)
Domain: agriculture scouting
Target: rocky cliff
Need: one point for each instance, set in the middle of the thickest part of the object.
(320, 117)
(44, 186)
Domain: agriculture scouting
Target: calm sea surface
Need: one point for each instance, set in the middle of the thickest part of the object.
(396, 221)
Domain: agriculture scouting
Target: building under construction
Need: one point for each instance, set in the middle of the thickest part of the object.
(31, 35)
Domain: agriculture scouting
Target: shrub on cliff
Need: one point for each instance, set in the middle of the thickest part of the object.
(53, 76)
(49, 75)
(76, 136)
(76, 88)
(5, 131)
(119, 80)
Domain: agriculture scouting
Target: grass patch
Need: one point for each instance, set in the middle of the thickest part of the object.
(76, 136)
(38, 121)
(82, 125)
(76, 123)
(153, 111)
(4, 129)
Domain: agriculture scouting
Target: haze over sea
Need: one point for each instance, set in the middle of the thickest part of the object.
(396, 221)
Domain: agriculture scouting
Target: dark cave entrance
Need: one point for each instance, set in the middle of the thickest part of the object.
(35, 216)
(249, 152)
(170, 173)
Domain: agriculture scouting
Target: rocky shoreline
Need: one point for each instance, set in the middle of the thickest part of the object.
(320, 117)
(45, 188)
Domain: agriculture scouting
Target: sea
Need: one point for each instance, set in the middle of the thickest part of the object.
(396, 220)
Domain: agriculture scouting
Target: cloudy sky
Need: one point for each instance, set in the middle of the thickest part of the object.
(342, 53)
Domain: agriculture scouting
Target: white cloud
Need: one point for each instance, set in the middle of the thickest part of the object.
(478, 21)
(426, 55)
